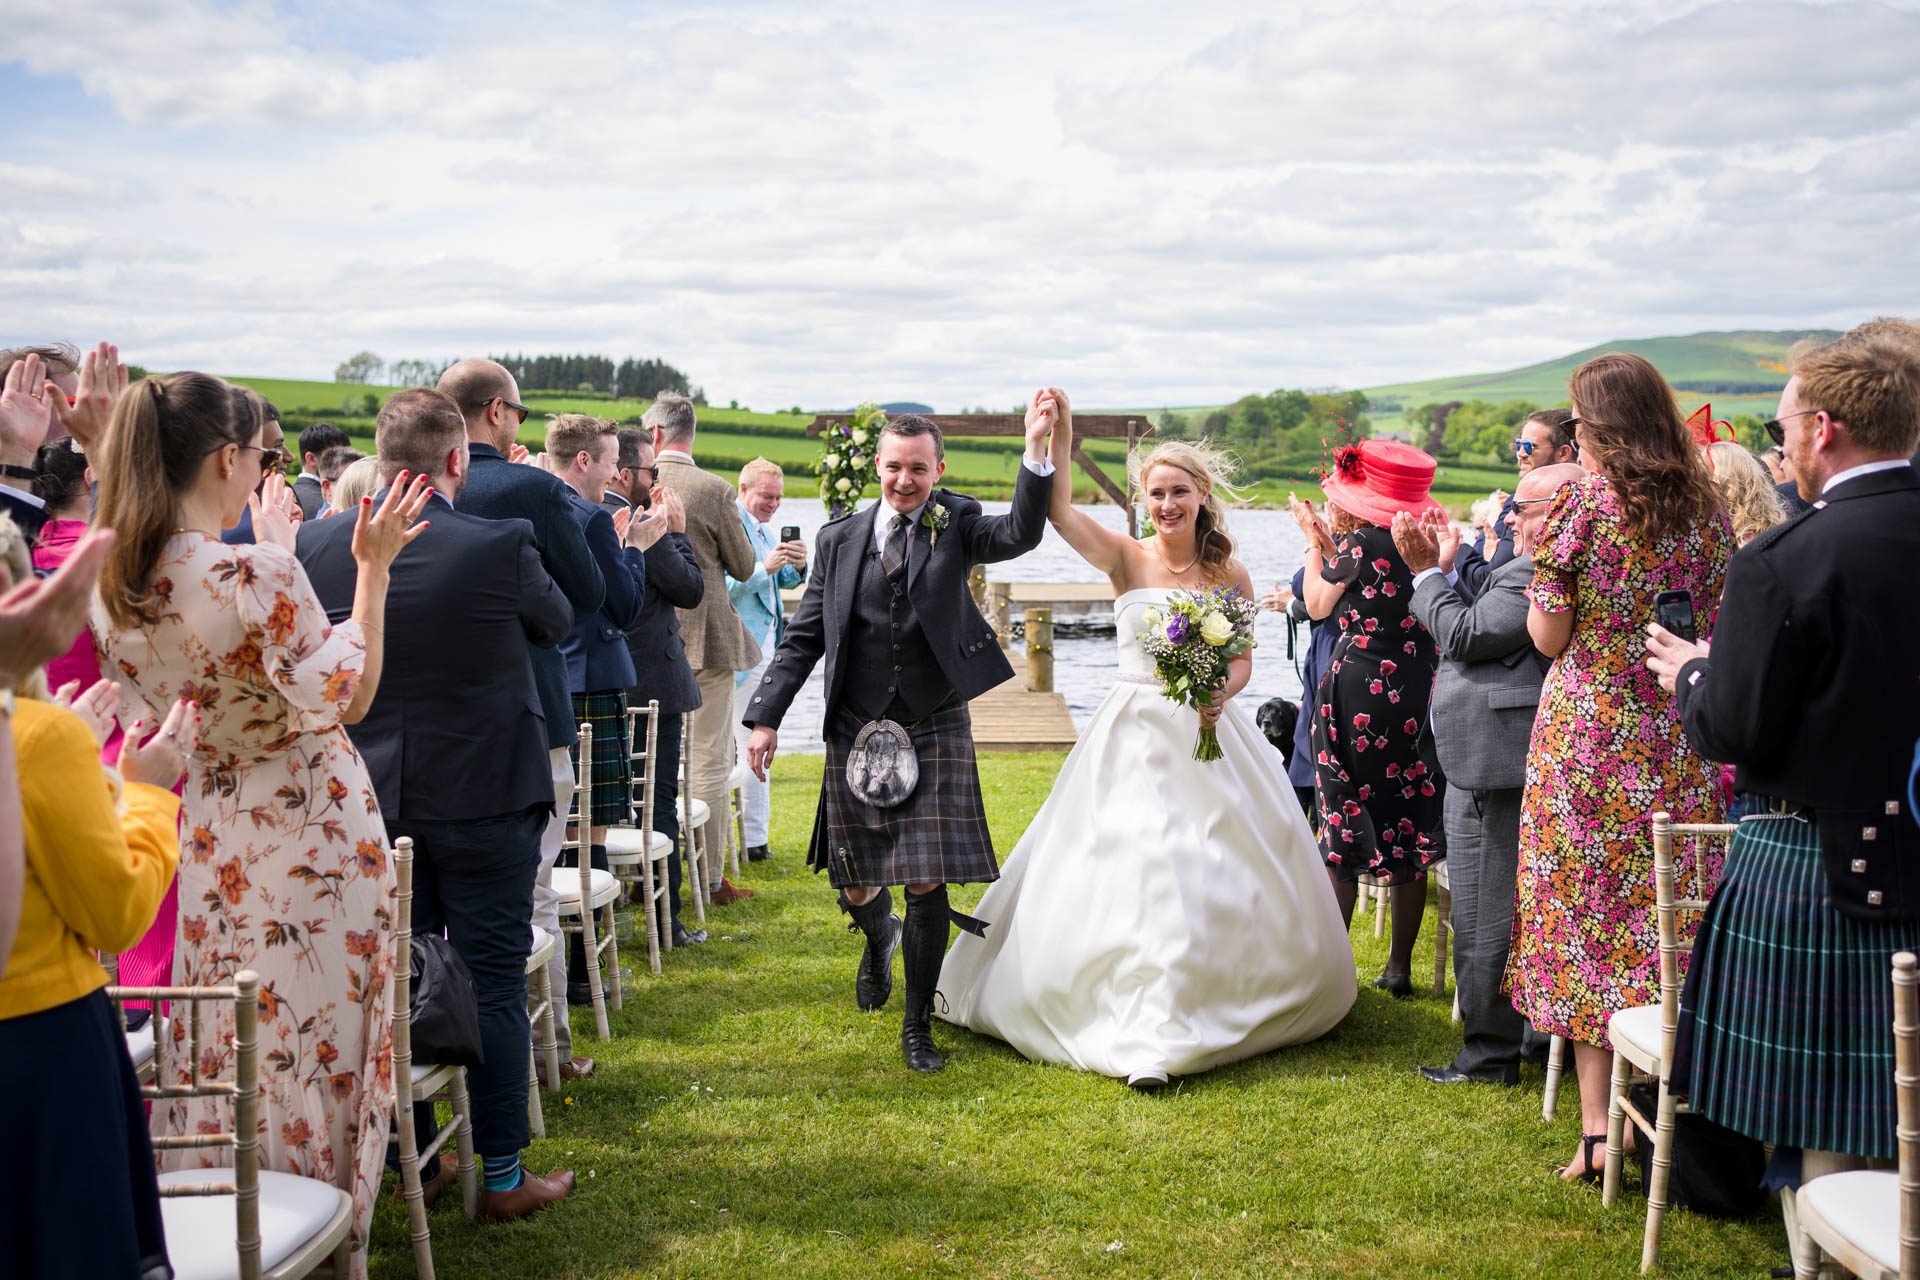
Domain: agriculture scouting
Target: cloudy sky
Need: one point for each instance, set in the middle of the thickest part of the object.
(820, 203)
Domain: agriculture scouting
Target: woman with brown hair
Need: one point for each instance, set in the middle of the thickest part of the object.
(284, 868)
(1380, 802)
(1607, 748)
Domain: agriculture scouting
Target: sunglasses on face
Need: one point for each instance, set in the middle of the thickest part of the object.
(516, 406)
(1777, 427)
(1524, 448)
(271, 460)
(1531, 502)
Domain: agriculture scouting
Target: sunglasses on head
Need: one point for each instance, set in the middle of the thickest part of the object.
(1777, 427)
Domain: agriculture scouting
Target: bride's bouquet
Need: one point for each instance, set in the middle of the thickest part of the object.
(1191, 641)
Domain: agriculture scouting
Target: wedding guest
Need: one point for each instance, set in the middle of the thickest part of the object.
(717, 642)
(95, 872)
(1379, 801)
(27, 416)
(333, 463)
(780, 566)
(1320, 641)
(63, 483)
(497, 489)
(661, 673)
(1484, 700)
(1787, 1019)
(457, 752)
(1545, 440)
(360, 478)
(1746, 491)
(583, 452)
(1776, 464)
(278, 803)
(1607, 749)
(272, 437)
(310, 486)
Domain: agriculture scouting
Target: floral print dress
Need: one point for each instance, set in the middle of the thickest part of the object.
(1379, 801)
(283, 865)
(1607, 751)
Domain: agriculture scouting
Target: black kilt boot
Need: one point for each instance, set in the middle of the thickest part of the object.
(926, 949)
(873, 985)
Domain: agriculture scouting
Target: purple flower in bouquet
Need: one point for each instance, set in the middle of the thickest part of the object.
(1177, 627)
(1192, 640)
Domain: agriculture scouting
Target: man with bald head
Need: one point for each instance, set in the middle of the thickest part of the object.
(489, 400)
(1484, 699)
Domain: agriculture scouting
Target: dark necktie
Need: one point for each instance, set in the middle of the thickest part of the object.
(894, 558)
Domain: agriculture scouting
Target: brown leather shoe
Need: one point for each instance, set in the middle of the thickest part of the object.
(570, 1069)
(729, 892)
(534, 1192)
(430, 1188)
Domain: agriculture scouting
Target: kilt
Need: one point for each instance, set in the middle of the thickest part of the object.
(1786, 1022)
(612, 798)
(938, 835)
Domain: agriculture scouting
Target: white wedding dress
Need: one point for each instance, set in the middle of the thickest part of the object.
(1161, 916)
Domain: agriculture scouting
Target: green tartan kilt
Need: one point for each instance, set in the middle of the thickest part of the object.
(612, 771)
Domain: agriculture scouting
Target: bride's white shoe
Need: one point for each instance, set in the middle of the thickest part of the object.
(1147, 1081)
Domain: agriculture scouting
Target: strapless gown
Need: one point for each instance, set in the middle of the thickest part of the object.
(1160, 916)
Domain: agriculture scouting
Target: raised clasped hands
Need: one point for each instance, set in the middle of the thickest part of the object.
(1043, 414)
(380, 533)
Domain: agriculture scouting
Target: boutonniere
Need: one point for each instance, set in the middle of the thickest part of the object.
(936, 518)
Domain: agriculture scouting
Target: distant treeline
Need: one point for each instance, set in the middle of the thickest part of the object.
(630, 378)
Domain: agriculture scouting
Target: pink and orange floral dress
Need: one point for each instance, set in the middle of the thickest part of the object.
(283, 863)
(1607, 751)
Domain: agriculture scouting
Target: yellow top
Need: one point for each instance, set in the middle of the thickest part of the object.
(94, 877)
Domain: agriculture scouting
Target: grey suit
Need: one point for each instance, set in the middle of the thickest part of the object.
(1484, 699)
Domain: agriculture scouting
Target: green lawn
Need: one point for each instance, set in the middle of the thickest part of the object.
(747, 1121)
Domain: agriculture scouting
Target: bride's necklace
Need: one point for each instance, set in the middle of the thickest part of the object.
(1169, 568)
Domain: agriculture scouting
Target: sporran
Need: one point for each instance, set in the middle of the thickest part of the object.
(882, 768)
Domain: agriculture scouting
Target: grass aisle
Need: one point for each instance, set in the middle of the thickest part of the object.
(746, 1120)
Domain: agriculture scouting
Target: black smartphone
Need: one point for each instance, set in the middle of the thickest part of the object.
(1674, 611)
(790, 533)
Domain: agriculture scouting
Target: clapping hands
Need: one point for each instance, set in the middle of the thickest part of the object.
(1319, 537)
(1429, 541)
(276, 512)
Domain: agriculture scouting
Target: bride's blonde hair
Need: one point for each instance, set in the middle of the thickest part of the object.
(1213, 471)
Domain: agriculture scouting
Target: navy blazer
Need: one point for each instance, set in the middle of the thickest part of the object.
(455, 731)
(496, 489)
(596, 647)
(30, 516)
(674, 582)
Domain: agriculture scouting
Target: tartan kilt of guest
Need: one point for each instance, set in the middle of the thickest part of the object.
(1786, 1025)
(938, 835)
(606, 711)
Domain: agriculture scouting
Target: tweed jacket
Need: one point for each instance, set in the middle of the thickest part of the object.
(1488, 687)
(712, 631)
(937, 569)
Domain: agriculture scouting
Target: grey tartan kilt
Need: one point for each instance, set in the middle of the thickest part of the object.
(937, 836)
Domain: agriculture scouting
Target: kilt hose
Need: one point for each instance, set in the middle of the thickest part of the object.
(1786, 1024)
(606, 711)
(938, 835)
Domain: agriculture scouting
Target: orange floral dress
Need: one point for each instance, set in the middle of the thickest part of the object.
(1607, 751)
(283, 864)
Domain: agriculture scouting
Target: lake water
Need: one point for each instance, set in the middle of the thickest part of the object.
(1268, 543)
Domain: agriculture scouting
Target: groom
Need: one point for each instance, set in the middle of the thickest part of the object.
(889, 609)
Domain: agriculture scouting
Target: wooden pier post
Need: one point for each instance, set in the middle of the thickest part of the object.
(1000, 598)
(1040, 650)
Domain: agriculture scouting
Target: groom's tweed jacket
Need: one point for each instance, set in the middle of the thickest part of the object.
(960, 641)
(1488, 687)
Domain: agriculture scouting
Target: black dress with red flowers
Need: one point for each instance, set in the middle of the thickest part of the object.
(1379, 801)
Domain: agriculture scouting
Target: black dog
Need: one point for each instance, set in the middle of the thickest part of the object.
(1278, 718)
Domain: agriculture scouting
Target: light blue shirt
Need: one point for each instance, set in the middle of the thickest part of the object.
(757, 597)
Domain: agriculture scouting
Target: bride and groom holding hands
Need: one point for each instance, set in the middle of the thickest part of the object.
(1161, 915)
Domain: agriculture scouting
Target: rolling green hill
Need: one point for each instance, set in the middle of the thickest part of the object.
(1738, 372)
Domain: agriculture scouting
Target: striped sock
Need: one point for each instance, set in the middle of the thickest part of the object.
(501, 1173)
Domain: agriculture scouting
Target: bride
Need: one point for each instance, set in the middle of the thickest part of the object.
(1161, 916)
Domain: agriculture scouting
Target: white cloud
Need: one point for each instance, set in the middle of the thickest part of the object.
(798, 204)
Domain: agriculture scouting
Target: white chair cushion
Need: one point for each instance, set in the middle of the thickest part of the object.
(1861, 1207)
(694, 813)
(542, 949)
(1441, 877)
(430, 1077)
(1636, 1033)
(566, 885)
(742, 775)
(201, 1229)
(624, 846)
(140, 1046)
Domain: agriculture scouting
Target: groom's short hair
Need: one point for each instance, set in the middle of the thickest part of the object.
(912, 424)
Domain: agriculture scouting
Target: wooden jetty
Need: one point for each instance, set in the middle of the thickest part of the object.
(1015, 718)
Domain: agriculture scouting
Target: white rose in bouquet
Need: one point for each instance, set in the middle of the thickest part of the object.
(831, 462)
(857, 461)
(859, 435)
(842, 484)
(1216, 630)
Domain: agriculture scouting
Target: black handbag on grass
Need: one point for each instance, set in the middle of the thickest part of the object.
(1715, 1171)
(446, 1011)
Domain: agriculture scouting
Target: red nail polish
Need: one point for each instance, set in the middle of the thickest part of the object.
(366, 502)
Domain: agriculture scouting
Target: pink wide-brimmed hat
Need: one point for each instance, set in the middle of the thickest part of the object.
(1378, 479)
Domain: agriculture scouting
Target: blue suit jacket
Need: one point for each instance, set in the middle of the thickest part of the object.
(596, 647)
(500, 490)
